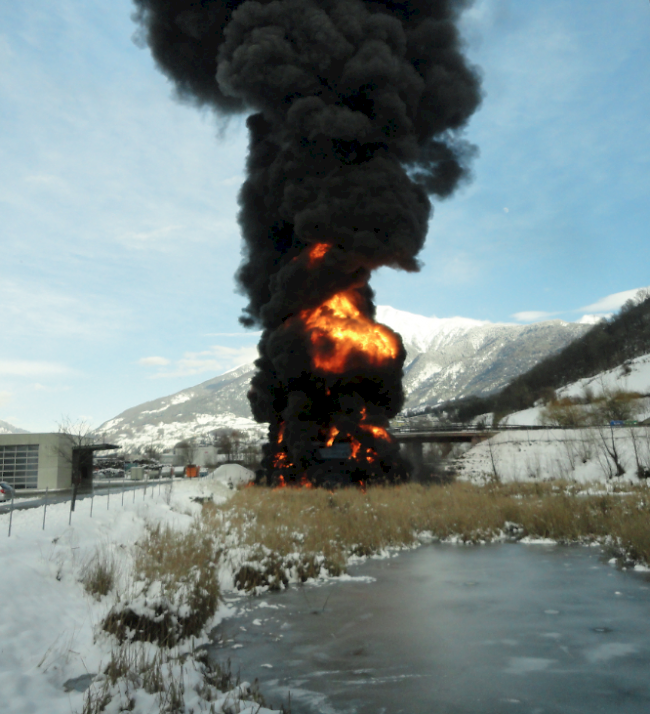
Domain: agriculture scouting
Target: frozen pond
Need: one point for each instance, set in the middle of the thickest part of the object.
(454, 629)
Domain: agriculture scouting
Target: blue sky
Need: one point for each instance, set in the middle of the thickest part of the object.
(118, 204)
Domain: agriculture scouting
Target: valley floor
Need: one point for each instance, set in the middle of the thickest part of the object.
(51, 639)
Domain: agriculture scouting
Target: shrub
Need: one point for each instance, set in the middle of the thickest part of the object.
(98, 576)
(177, 592)
(565, 412)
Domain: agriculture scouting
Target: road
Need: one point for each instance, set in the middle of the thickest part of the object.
(101, 488)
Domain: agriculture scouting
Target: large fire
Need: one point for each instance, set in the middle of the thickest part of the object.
(338, 330)
(343, 341)
(345, 150)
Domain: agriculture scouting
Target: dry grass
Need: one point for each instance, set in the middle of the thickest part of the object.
(171, 556)
(291, 527)
(99, 575)
(163, 675)
(176, 592)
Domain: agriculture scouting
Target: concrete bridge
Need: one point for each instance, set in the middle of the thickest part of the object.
(412, 440)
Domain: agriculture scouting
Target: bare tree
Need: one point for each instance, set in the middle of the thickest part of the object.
(227, 443)
(188, 449)
(250, 450)
(610, 453)
(73, 449)
(152, 451)
(494, 476)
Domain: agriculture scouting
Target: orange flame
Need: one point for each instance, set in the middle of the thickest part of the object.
(338, 330)
(304, 483)
(316, 252)
(331, 436)
(282, 460)
(378, 431)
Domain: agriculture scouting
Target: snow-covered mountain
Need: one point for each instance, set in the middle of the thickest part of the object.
(7, 428)
(218, 403)
(453, 357)
(446, 358)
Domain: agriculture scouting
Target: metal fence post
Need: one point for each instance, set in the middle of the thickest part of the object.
(45, 506)
(108, 499)
(11, 515)
(123, 489)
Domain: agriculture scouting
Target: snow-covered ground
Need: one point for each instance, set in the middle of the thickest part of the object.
(49, 627)
(165, 435)
(582, 455)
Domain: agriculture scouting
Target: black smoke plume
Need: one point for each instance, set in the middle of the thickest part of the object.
(356, 110)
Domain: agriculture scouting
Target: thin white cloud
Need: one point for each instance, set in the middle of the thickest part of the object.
(233, 334)
(592, 319)
(597, 311)
(146, 240)
(611, 303)
(216, 360)
(533, 316)
(233, 180)
(27, 308)
(38, 387)
(5, 398)
(31, 368)
(154, 361)
(48, 180)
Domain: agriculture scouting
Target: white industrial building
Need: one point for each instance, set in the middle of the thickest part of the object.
(40, 461)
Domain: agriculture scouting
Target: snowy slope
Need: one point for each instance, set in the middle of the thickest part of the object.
(466, 357)
(634, 377)
(581, 455)
(218, 403)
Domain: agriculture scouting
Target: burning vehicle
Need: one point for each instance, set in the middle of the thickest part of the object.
(356, 110)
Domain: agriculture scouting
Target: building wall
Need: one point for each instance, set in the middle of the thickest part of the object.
(54, 458)
(203, 456)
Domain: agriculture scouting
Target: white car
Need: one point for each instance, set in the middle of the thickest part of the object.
(6, 491)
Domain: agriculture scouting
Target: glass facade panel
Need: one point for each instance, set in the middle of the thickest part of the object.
(19, 465)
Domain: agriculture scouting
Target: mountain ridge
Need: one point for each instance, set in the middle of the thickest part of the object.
(446, 358)
(7, 428)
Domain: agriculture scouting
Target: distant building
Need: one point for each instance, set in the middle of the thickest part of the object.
(40, 461)
(199, 455)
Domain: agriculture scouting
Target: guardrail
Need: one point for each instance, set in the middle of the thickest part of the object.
(506, 427)
(118, 488)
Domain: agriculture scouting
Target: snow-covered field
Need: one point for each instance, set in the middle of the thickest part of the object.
(49, 627)
(587, 455)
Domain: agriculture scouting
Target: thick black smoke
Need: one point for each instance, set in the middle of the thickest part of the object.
(356, 109)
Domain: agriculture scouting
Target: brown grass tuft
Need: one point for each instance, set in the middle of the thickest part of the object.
(326, 528)
(178, 589)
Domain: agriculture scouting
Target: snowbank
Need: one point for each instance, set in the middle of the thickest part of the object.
(48, 631)
(231, 475)
(582, 455)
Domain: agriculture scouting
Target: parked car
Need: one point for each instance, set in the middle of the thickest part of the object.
(6, 491)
